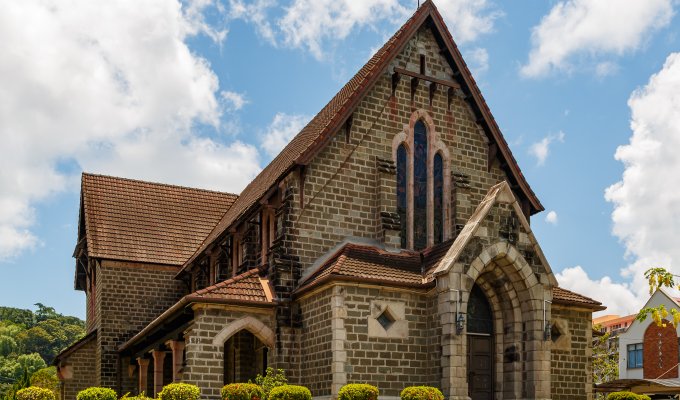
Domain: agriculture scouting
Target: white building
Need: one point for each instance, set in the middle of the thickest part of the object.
(647, 351)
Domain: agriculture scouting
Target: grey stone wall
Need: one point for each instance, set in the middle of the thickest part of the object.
(344, 191)
(204, 357)
(316, 343)
(570, 365)
(129, 296)
(81, 362)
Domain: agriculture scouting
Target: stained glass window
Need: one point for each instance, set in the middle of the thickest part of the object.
(402, 181)
(479, 316)
(438, 174)
(419, 186)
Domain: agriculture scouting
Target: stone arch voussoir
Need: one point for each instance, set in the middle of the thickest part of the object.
(511, 261)
(261, 331)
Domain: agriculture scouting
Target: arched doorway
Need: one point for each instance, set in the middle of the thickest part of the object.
(480, 346)
(245, 356)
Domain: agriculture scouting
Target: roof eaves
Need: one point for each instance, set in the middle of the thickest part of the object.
(356, 279)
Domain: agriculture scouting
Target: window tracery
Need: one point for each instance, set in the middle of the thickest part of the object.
(423, 184)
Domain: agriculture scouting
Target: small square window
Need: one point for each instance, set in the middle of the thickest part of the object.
(385, 319)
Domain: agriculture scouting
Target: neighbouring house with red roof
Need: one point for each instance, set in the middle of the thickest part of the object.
(389, 242)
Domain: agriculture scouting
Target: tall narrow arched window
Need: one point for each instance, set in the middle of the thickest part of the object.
(402, 182)
(419, 186)
(438, 175)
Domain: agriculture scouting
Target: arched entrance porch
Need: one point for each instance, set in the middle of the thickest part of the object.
(519, 308)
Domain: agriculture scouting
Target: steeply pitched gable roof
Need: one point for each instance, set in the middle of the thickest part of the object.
(131, 220)
(499, 193)
(302, 148)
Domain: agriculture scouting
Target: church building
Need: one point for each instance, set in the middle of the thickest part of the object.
(388, 243)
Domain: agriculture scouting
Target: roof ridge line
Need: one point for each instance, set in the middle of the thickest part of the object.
(120, 178)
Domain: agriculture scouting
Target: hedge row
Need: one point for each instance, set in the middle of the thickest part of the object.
(627, 396)
(251, 391)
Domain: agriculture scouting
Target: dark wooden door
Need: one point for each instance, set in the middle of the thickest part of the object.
(480, 367)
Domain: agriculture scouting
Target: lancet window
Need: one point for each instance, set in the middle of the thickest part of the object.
(422, 201)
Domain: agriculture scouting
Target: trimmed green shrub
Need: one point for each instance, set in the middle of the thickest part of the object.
(421, 393)
(270, 380)
(290, 392)
(46, 378)
(141, 396)
(626, 396)
(358, 391)
(179, 391)
(35, 393)
(242, 391)
(97, 393)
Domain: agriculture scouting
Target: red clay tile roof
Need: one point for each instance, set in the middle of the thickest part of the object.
(132, 220)
(364, 263)
(564, 296)
(302, 148)
(246, 287)
(368, 264)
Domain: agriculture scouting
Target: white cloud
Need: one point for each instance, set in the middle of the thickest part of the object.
(466, 19)
(311, 24)
(235, 101)
(477, 60)
(541, 149)
(551, 218)
(282, 129)
(254, 12)
(646, 201)
(316, 25)
(588, 28)
(646, 216)
(606, 68)
(110, 87)
(619, 298)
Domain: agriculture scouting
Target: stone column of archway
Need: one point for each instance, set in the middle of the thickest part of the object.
(531, 297)
(449, 303)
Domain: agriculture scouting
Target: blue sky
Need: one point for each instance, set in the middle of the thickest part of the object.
(204, 93)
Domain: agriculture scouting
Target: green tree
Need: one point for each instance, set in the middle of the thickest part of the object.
(17, 316)
(605, 359)
(46, 378)
(37, 340)
(272, 378)
(29, 363)
(657, 279)
(7, 346)
(8, 328)
(8, 367)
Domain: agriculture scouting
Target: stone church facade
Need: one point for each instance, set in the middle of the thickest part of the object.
(388, 243)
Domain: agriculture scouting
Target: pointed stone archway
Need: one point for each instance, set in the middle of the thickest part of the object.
(246, 343)
(519, 303)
